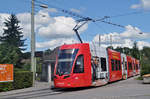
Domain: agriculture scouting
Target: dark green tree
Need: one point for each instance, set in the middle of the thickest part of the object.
(127, 50)
(9, 54)
(110, 47)
(119, 49)
(135, 51)
(12, 33)
(145, 63)
(12, 42)
(48, 51)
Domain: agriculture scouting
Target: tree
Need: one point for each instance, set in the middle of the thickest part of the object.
(8, 54)
(127, 50)
(12, 33)
(110, 47)
(119, 49)
(145, 63)
(48, 51)
(135, 51)
(12, 42)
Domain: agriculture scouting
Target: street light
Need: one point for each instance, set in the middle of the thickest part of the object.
(43, 6)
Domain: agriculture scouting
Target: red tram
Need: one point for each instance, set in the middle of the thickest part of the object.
(82, 65)
(114, 61)
(129, 66)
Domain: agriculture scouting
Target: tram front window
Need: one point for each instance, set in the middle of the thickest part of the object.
(65, 61)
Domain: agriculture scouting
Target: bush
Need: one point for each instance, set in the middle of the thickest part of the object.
(139, 78)
(6, 86)
(22, 79)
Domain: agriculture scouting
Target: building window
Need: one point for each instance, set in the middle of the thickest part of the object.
(79, 65)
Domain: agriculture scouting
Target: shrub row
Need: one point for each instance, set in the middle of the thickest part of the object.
(22, 79)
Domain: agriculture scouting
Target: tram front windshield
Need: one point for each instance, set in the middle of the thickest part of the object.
(65, 61)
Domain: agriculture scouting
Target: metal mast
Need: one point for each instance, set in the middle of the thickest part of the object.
(33, 65)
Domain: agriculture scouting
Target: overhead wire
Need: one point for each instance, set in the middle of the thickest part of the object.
(130, 13)
(84, 18)
(63, 10)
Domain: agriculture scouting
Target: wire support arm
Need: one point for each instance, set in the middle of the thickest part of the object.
(77, 27)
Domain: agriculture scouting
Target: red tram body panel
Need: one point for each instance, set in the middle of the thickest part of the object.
(134, 66)
(115, 71)
(73, 75)
(137, 67)
(129, 66)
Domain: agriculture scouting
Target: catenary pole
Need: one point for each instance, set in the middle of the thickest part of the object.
(33, 65)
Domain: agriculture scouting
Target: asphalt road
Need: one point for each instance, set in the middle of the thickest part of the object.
(124, 89)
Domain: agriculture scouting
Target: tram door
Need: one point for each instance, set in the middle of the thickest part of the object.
(124, 66)
(134, 64)
(103, 68)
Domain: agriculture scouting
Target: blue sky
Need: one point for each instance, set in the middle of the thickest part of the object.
(53, 28)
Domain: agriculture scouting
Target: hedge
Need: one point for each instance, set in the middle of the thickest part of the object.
(22, 79)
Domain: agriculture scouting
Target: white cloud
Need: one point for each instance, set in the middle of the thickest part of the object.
(55, 42)
(42, 18)
(49, 27)
(124, 39)
(61, 28)
(144, 4)
(141, 44)
(3, 17)
(25, 23)
(134, 33)
(52, 10)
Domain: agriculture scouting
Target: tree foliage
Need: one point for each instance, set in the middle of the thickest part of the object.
(135, 51)
(145, 63)
(12, 42)
(12, 33)
(9, 54)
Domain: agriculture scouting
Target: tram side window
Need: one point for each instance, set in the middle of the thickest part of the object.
(119, 65)
(137, 67)
(125, 65)
(103, 64)
(113, 65)
(79, 65)
(116, 64)
(130, 66)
